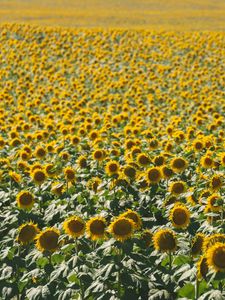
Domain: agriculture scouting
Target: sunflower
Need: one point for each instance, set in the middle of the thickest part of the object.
(213, 203)
(38, 176)
(177, 187)
(49, 169)
(164, 240)
(213, 239)
(154, 175)
(159, 160)
(178, 164)
(179, 216)
(198, 145)
(129, 171)
(69, 174)
(112, 167)
(24, 155)
(75, 140)
(27, 233)
(15, 177)
(47, 240)
(143, 159)
(167, 173)
(25, 199)
(98, 155)
(146, 236)
(222, 159)
(153, 144)
(202, 267)
(82, 161)
(206, 162)
(122, 228)
(95, 228)
(216, 257)
(197, 244)
(216, 182)
(74, 226)
(40, 152)
(134, 216)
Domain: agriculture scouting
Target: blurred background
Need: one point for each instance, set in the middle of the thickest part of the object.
(149, 14)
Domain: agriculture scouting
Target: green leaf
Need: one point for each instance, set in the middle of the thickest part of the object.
(57, 258)
(72, 277)
(42, 261)
(188, 291)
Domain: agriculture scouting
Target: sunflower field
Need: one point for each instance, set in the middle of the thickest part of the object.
(112, 160)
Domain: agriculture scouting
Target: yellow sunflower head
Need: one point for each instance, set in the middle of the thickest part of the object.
(164, 240)
(154, 175)
(134, 216)
(143, 159)
(197, 244)
(25, 199)
(15, 176)
(95, 228)
(167, 173)
(179, 216)
(211, 240)
(49, 169)
(47, 240)
(122, 228)
(216, 182)
(82, 162)
(202, 267)
(206, 162)
(146, 236)
(216, 257)
(129, 171)
(177, 187)
(27, 233)
(98, 155)
(38, 176)
(69, 174)
(74, 226)
(178, 164)
(112, 167)
(214, 203)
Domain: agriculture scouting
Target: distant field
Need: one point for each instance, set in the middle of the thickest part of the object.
(151, 14)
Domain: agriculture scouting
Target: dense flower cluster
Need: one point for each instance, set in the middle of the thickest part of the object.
(112, 158)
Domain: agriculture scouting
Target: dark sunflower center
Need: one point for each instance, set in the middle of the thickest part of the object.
(179, 217)
(167, 242)
(76, 226)
(49, 240)
(97, 227)
(122, 227)
(178, 188)
(26, 199)
(113, 167)
(27, 233)
(219, 258)
(39, 176)
(153, 175)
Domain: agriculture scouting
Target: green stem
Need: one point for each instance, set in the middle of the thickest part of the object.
(170, 263)
(67, 187)
(196, 288)
(119, 286)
